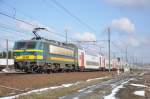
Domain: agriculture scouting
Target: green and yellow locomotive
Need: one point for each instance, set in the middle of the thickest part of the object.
(44, 56)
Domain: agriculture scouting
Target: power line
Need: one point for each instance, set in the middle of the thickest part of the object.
(17, 10)
(89, 41)
(10, 7)
(14, 18)
(117, 46)
(7, 28)
(72, 15)
(27, 23)
(11, 29)
(29, 17)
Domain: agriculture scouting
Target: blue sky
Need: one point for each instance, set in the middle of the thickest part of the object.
(128, 19)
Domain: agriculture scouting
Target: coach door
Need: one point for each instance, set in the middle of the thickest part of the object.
(81, 58)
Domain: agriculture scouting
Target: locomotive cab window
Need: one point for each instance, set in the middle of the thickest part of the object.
(20, 45)
(24, 45)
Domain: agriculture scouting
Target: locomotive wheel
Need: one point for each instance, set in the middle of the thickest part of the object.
(49, 71)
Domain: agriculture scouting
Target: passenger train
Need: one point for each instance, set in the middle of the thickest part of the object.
(42, 55)
(48, 55)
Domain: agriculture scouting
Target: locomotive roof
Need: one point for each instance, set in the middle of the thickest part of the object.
(70, 45)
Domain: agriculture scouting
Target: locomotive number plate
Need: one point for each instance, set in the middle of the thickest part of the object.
(25, 57)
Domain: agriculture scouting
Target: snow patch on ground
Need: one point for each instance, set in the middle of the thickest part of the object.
(4, 61)
(142, 73)
(89, 91)
(41, 90)
(5, 70)
(67, 85)
(81, 90)
(97, 78)
(140, 93)
(76, 98)
(115, 90)
(8, 70)
(138, 85)
(62, 97)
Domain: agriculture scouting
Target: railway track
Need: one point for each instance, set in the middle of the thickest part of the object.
(24, 73)
(86, 92)
(25, 81)
(16, 72)
(13, 74)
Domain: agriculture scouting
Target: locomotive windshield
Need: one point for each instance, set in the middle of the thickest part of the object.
(25, 45)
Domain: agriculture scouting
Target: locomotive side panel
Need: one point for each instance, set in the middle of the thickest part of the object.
(60, 57)
(61, 54)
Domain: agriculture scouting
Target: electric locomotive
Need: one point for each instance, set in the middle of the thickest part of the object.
(44, 56)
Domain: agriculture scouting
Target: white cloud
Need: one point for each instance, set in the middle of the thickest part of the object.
(86, 36)
(123, 25)
(130, 3)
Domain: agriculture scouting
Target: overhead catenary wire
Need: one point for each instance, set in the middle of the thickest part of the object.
(7, 30)
(14, 18)
(28, 23)
(73, 15)
(25, 22)
(117, 46)
(36, 26)
(16, 10)
(10, 7)
(11, 29)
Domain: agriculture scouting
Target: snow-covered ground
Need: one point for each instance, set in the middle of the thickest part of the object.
(140, 93)
(84, 89)
(138, 85)
(41, 90)
(52, 88)
(8, 70)
(97, 78)
(115, 90)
